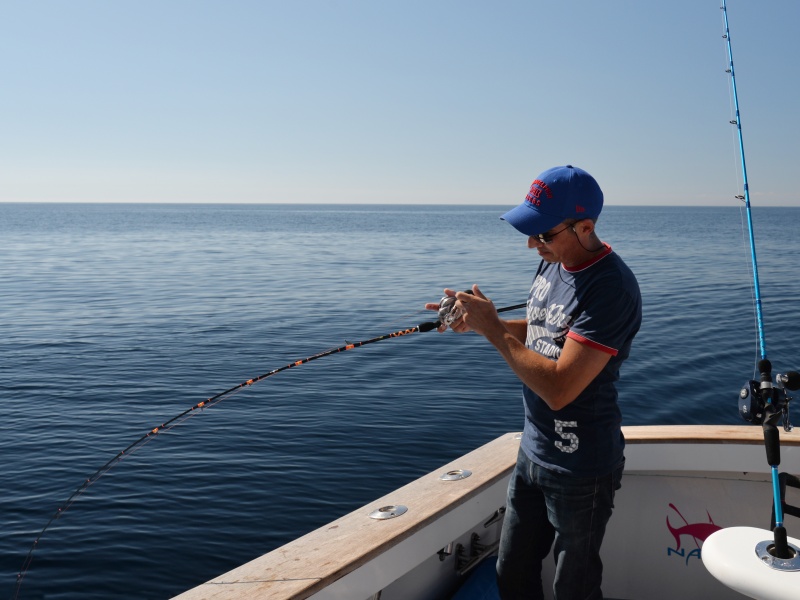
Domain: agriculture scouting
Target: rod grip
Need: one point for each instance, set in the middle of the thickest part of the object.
(772, 443)
(429, 326)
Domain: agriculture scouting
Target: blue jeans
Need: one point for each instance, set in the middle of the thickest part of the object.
(545, 510)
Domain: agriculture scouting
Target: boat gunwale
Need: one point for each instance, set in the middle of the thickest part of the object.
(701, 434)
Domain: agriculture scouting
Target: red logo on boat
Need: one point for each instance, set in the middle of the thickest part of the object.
(695, 531)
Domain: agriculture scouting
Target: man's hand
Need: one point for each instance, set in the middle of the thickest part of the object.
(478, 312)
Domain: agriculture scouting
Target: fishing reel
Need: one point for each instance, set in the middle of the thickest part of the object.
(448, 311)
(762, 402)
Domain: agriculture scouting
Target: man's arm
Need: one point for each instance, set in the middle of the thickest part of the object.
(559, 382)
(518, 328)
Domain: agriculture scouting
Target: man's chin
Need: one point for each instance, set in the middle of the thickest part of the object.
(547, 257)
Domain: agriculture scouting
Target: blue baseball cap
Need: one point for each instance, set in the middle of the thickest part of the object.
(556, 195)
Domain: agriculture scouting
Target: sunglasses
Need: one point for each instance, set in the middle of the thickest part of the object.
(546, 238)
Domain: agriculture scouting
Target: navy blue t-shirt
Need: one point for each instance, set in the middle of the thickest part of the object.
(597, 303)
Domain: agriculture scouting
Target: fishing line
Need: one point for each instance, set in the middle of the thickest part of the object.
(444, 316)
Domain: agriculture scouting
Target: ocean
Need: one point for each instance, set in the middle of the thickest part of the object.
(116, 318)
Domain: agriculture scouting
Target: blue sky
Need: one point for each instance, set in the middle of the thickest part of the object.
(433, 102)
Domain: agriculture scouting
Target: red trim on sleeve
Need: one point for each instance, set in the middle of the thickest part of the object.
(592, 344)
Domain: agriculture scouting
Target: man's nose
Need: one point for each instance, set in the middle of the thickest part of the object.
(534, 242)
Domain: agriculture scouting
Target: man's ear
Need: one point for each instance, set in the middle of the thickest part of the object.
(585, 226)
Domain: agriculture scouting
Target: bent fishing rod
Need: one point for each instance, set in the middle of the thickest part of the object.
(760, 402)
(448, 312)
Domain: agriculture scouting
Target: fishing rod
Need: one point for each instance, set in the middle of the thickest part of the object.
(761, 402)
(448, 312)
(737, 121)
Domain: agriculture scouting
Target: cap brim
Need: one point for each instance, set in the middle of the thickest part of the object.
(526, 219)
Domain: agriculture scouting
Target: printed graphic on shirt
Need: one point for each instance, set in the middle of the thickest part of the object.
(548, 325)
(570, 438)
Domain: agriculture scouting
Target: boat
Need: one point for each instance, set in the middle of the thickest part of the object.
(436, 535)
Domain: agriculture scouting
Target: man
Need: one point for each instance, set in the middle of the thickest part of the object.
(583, 312)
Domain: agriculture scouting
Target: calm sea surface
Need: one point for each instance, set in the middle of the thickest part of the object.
(116, 318)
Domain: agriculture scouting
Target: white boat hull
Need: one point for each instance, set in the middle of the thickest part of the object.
(680, 485)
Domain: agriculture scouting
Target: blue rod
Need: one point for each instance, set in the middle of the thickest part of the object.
(776, 494)
(738, 123)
